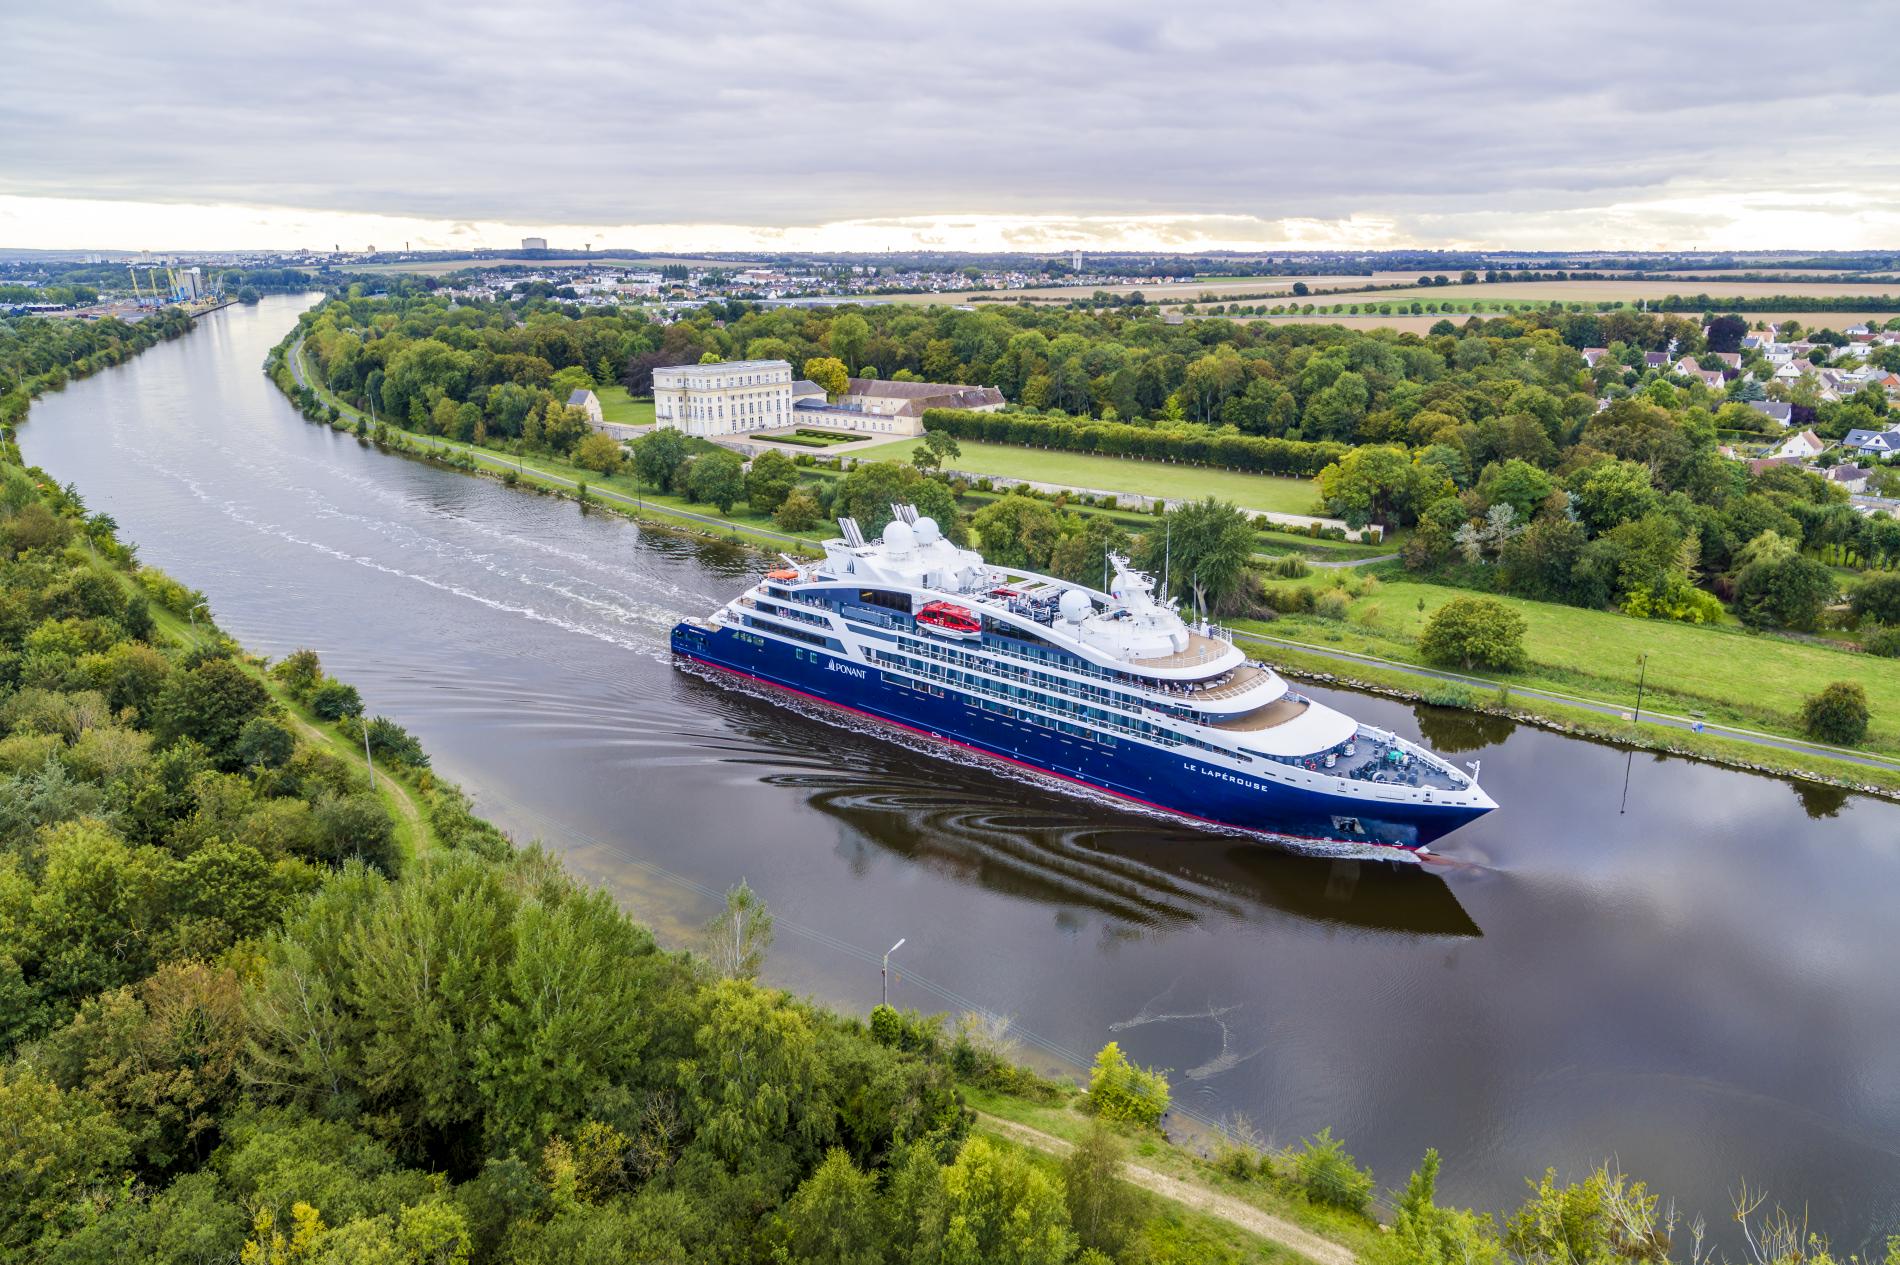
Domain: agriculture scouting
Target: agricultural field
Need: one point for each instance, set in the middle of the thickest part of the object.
(1734, 675)
(1117, 474)
(1411, 324)
(1177, 291)
(1630, 290)
(622, 409)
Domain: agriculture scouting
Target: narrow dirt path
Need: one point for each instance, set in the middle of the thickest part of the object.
(404, 804)
(1227, 1208)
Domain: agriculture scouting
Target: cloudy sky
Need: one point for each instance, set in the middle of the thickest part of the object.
(978, 124)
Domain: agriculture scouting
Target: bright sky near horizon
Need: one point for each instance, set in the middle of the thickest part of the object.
(781, 124)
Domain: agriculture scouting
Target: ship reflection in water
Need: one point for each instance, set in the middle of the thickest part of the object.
(1012, 832)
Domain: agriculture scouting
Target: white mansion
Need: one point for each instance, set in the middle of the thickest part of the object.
(753, 395)
(727, 399)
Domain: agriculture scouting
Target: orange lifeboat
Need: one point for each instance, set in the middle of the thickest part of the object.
(783, 573)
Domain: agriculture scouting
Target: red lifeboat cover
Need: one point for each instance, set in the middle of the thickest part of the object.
(949, 615)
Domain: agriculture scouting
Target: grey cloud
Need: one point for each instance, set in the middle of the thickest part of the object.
(782, 113)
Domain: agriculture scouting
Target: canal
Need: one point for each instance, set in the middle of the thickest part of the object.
(1689, 970)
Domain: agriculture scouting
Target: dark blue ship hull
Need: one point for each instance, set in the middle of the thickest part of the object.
(1173, 781)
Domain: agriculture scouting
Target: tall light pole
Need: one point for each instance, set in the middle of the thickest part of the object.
(886, 972)
(1642, 676)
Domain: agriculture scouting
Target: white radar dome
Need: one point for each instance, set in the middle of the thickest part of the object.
(926, 530)
(1076, 606)
(898, 537)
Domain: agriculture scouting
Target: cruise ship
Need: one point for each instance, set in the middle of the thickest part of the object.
(1110, 689)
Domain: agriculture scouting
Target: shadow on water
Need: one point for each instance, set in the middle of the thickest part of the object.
(1820, 801)
(987, 823)
(1455, 731)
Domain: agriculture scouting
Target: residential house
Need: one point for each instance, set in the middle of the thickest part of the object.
(582, 398)
(1851, 477)
(1688, 365)
(1801, 445)
(1733, 359)
(1593, 354)
(1776, 411)
(1760, 464)
(1792, 370)
(1874, 443)
(1711, 378)
(1655, 359)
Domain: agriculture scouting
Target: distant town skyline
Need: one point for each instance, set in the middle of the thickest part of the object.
(793, 126)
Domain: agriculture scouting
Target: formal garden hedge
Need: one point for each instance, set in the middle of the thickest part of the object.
(1190, 445)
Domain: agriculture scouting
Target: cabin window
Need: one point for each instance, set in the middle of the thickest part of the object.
(886, 599)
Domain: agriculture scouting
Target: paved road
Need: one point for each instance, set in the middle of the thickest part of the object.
(1664, 719)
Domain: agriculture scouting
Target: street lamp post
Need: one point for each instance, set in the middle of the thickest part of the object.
(1642, 676)
(886, 972)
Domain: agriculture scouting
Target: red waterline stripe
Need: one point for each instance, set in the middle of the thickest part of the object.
(1415, 853)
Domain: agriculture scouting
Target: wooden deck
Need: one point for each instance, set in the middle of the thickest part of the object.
(1271, 716)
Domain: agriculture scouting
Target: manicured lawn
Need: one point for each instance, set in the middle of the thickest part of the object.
(1733, 675)
(1116, 474)
(622, 409)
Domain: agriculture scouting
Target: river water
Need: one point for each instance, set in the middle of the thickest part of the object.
(1689, 970)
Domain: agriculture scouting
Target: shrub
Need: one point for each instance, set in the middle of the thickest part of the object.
(1471, 632)
(1446, 694)
(1332, 604)
(1289, 601)
(333, 700)
(1878, 598)
(1838, 714)
(799, 511)
(1885, 642)
(1120, 1090)
(905, 1029)
(1290, 566)
(1330, 1176)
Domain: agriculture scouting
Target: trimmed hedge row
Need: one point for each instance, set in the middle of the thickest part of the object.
(1253, 454)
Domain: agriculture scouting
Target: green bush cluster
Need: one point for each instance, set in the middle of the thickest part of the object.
(1328, 1175)
(1121, 1090)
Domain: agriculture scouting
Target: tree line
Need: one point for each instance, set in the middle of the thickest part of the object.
(39, 354)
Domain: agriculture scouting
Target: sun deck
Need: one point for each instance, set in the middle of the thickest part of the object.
(1200, 649)
(1272, 716)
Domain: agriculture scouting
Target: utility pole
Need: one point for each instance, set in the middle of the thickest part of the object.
(1641, 677)
(886, 972)
(367, 759)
